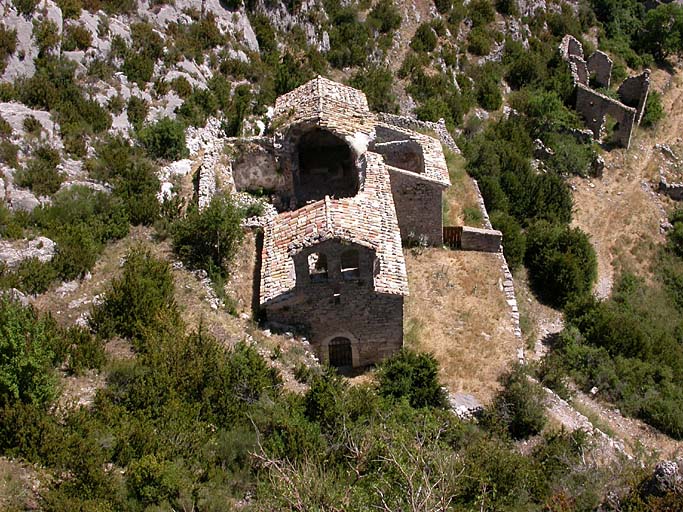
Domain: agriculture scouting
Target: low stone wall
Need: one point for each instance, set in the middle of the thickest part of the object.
(484, 240)
(508, 284)
(415, 124)
(673, 190)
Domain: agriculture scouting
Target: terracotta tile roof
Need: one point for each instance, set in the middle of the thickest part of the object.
(368, 219)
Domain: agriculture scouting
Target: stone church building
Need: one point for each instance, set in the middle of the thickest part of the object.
(349, 189)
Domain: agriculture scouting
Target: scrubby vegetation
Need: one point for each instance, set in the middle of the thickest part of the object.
(192, 423)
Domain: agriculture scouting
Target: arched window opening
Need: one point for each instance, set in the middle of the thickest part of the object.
(317, 267)
(340, 353)
(350, 266)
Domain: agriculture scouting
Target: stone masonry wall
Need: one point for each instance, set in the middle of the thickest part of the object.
(414, 124)
(341, 307)
(634, 92)
(508, 284)
(418, 207)
(255, 167)
(673, 190)
(485, 240)
(593, 107)
(600, 66)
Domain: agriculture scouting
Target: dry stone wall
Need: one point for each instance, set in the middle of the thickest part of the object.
(594, 107)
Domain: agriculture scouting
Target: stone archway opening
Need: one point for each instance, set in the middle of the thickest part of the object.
(327, 166)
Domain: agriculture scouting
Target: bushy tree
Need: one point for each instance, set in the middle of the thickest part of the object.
(413, 376)
(385, 17)
(376, 83)
(561, 262)
(519, 407)
(514, 239)
(136, 301)
(209, 239)
(663, 30)
(41, 174)
(26, 356)
(164, 139)
(424, 39)
(654, 111)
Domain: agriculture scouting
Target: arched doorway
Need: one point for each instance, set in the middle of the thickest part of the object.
(340, 353)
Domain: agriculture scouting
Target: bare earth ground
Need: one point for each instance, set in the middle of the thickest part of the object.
(20, 485)
(457, 311)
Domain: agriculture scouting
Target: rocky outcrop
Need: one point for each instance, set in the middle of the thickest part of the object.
(13, 253)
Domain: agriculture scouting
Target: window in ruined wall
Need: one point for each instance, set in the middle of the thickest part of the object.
(326, 167)
(350, 266)
(317, 267)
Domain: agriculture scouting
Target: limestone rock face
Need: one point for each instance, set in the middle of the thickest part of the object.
(13, 253)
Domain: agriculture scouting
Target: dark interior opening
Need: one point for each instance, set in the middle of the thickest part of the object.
(326, 167)
(340, 352)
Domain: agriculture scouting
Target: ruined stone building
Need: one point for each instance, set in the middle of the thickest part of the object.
(348, 190)
(594, 106)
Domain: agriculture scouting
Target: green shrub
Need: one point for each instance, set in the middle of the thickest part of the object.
(519, 406)
(137, 110)
(41, 174)
(479, 41)
(76, 37)
(70, 8)
(488, 95)
(481, 12)
(514, 239)
(32, 125)
(10, 226)
(138, 68)
(654, 111)
(133, 177)
(8, 153)
(424, 39)
(385, 17)
(34, 276)
(443, 6)
(8, 45)
(413, 376)
(561, 262)
(349, 39)
(508, 7)
(181, 86)
(376, 83)
(164, 139)
(234, 117)
(26, 356)
(136, 300)
(46, 34)
(25, 7)
(209, 239)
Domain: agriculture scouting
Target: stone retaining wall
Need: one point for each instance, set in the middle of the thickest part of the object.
(508, 285)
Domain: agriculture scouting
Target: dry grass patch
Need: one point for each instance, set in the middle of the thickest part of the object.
(20, 485)
(457, 311)
(460, 204)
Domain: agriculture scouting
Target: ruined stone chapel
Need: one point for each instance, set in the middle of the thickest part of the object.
(348, 189)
